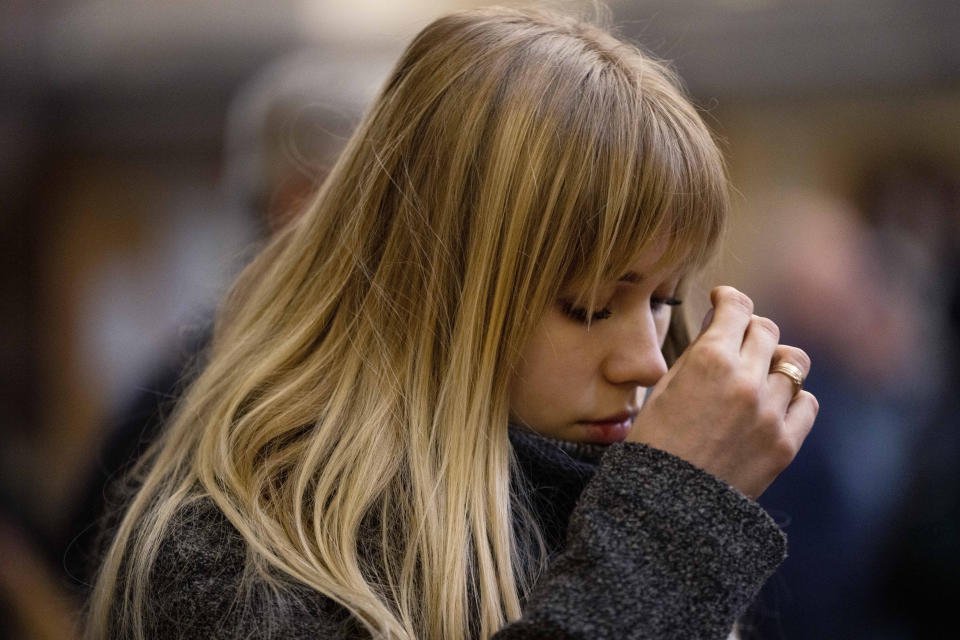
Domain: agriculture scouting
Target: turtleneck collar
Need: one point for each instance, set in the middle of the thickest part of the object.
(587, 452)
(555, 473)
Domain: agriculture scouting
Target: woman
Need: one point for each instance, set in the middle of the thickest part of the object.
(503, 242)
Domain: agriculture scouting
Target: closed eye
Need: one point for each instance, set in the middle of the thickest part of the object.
(579, 314)
(657, 303)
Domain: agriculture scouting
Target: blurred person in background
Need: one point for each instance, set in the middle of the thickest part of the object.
(285, 128)
(409, 389)
(914, 206)
(855, 293)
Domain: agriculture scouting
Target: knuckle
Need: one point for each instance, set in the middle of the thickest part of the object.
(813, 402)
(798, 357)
(711, 354)
(766, 324)
(783, 451)
(736, 297)
(770, 418)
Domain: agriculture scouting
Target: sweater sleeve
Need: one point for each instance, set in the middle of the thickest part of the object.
(656, 548)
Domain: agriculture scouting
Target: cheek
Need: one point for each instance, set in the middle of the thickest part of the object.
(550, 366)
(541, 364)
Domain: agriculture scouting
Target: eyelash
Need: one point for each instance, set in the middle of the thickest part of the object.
(579, 314)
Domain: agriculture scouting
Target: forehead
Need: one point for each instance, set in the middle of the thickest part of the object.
(652, 262)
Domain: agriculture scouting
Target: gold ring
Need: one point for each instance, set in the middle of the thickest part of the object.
(791, 371)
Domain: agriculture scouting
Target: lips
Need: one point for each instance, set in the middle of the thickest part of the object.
(619, 417)
(614, 428)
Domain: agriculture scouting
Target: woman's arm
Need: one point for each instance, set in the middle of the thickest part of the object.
(656, 548)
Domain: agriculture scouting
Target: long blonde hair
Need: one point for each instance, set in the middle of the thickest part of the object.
(352, 421)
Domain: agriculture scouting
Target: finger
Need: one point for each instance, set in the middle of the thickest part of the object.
(759, 346)
(707, 319)
(801, 413)
(782, 388)
(732, 311)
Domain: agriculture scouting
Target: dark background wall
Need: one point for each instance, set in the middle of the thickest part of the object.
(122, 222)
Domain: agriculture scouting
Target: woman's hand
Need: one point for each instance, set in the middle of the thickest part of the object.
(720, 408)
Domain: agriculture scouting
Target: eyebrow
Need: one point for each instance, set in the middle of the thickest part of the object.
(632, 277)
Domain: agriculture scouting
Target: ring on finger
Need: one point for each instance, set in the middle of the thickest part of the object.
(791, 371)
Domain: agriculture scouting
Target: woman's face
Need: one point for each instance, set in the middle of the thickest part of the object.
(586, 385)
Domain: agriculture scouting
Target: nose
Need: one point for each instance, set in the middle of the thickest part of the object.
(634, 356)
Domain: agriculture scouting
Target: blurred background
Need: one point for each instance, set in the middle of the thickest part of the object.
(146, 147)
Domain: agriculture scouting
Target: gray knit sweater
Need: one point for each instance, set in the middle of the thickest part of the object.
(644, 545)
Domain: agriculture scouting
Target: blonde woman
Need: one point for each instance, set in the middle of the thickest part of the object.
(423, 411)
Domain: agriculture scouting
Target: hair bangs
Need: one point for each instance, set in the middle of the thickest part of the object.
(657, 184)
